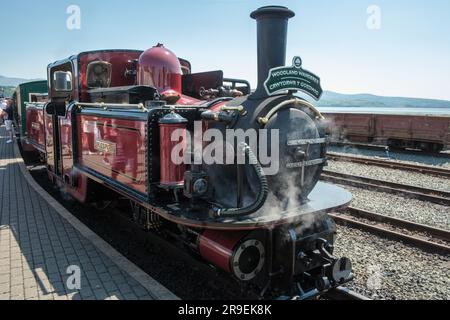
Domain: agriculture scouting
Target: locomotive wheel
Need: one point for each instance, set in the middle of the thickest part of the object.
(439, 147)
(432, 147)
(395, 144)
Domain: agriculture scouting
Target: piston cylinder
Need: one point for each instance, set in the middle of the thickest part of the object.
(172, 127)
(233, 252)
(217, 247)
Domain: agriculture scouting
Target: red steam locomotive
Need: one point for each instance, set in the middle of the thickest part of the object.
(140, 124)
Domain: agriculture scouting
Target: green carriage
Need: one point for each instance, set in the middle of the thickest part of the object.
(35, 91)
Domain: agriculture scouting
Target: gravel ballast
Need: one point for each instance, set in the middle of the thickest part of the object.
(396, 206)
(390, 270)
(392, 175)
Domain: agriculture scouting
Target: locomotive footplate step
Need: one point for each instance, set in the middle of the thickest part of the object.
(47, 254)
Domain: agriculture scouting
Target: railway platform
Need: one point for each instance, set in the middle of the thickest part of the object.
(48, 254)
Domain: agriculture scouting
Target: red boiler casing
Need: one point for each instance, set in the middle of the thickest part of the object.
(160, 68)
(172, 172)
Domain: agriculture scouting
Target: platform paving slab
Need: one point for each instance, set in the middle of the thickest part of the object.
(42, 247)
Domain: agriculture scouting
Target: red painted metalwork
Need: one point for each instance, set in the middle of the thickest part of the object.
(172, 174)
(114, 148)
(160, 68)
(217, 247)
(35, 127)
(185, 100)
(65, 133)
(49, 143)
(79, 190)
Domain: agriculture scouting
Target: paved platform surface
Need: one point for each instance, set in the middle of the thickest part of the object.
(43, 248)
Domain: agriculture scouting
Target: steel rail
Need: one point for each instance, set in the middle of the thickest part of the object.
(342, 293)
(440, 172)
(419, 242)
(431, 195)
(434, 232)
(382, 148)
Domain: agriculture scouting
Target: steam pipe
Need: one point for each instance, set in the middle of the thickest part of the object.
(262, 196)
(240, 184)
(272, 25)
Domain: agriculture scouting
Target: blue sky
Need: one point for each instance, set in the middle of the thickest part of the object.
(408, 56)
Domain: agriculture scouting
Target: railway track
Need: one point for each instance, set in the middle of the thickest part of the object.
(428, 238)
(343, 293)
(431, 195)
(120, 220)
(382, 148)
(435, 171)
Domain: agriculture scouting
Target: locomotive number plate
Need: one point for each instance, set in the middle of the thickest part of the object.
(106, 147)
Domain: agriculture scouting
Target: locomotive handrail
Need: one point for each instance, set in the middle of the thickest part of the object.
(240, 81)
(104, 105)
(265, 120)
(36, 103)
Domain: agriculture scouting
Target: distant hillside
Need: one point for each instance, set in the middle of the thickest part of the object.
(329, 98)
(333, 99)
(13, 82)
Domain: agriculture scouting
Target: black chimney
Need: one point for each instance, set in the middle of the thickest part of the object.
(272, 23)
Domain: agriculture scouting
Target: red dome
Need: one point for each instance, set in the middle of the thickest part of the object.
(160, 68)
